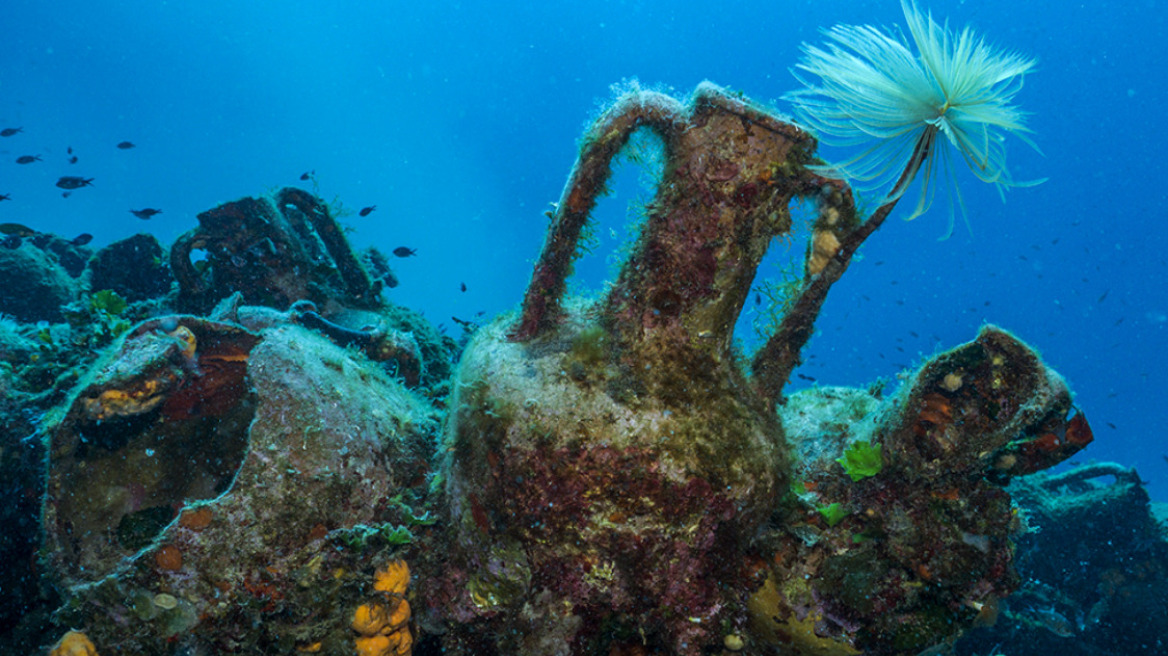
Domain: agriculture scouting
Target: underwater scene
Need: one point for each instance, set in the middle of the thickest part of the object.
(621, 328)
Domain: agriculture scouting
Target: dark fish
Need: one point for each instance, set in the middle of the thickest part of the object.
(73, 182)
(8, 132)
(28, 159)
(307, 175)
(69, 150)
(82, 239)
(73, 159)
(806, 377)
(366, 211)
(18, 229)
(5, 197)
(146, 213)
(402, 251)
(466, 325)
(125, 145)
(65, 194)
(462, 286)
(11, 241)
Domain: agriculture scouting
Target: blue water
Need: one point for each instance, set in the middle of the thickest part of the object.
(460, 122)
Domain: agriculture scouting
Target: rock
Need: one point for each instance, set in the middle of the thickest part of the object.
(133, 267)
(35, 284)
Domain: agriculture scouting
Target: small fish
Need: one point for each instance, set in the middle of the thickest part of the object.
(28, 159)
(81, 239)
(462, 286)
(402, 251)
(18, 229)
(5, 197)
(73, 159)
(1053, 621)
(806, 377)
(125, 145)
(469, 326)
(307, 175)
(11, 241)
(366, 211)
(65, 194)
(73, 182)
(8, 132)
(146, 213)
(69, 150)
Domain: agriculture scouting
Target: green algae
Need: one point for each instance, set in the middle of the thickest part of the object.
(861, 460)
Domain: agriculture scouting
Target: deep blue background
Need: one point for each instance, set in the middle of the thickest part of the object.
(460, 122)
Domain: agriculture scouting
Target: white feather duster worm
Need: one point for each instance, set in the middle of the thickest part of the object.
(910, 110)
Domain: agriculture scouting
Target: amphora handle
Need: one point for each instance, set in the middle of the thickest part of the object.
(731, 170)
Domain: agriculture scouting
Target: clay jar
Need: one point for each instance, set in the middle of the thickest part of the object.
(609, 464)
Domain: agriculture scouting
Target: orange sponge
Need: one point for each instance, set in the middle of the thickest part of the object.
(370, 619)
(74, 643)
(377, 645)
(383, 628)
(392, 579)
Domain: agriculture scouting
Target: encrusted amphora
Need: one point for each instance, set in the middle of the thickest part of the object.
(610, 462)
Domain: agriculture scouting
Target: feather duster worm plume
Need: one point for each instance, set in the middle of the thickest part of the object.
(911, 110)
